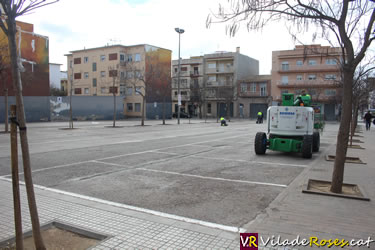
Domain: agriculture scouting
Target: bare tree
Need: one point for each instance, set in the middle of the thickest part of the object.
(350, 22)
(113, 72)
(362, 86)
(13, 9)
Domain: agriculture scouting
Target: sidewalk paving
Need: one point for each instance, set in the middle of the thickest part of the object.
(295, 213)
(292, 213)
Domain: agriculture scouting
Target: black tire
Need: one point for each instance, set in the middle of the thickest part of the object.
(307, 145)
(260, 144)
(316, 142)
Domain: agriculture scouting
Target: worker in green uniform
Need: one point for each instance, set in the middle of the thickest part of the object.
(223, 122)
(303, 99)
(260, 117)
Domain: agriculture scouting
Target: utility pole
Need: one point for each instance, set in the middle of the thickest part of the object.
(179, 31)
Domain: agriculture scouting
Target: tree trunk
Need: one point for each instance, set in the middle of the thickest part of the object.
(143, 110)
(15, 182)
(114, 103)
(70, 104)
(353, 123)
(200, 111)
(6, 110)
(17, 84)
(164, 110)
(343, 134)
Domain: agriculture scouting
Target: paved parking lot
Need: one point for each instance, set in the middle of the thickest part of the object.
(200, 170)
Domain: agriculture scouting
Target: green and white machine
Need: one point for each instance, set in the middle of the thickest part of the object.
(291, 128)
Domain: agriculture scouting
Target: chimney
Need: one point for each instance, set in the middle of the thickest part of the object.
(238, 49)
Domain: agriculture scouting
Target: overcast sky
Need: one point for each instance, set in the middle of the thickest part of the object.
(78, 24)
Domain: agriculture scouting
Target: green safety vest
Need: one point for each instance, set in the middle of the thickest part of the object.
(222, 118)
(260, 113)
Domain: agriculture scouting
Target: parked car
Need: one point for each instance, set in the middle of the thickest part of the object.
(182, 115)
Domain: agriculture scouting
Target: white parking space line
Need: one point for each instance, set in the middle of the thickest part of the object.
(138, 209)
(214, 178)
(249, 161)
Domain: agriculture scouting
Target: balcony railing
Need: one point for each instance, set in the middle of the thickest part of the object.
(310, 84)
(218, 70)
(308, 68)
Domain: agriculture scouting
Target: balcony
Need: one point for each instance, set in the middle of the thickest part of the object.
(221, 70)
(308, 68)
(257, 94)
(310, 84)
(194, 73)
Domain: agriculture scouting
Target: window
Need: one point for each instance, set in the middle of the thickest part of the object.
(129, 91)
(253, 87)
(212, 78)
(86, 75)
(330, 77)
(122, 90)
(77, 91)
(263, 89)
(77, 60)
(85, 59)
(298, 91)
(284, 80)
(312, 62)
(86, 91)
(175, 70)
(183, 68)
(196, 71)
(70, 63)
(112, 56)
(102, 73)
(330, 92)
(112, 73)
(312, 92)
(184, 81)
(122, 57)
(122, 74)
(243, 87)
(138, 90)
(129, 106)
(102, 58)
(130, 75)
(331, 61)
(284, 91)
(212, 65)
(137, 74)
(285, 66)
(312, 77)
(94, 82)
(77, 75)
(130, 58)
(103, 90)
(183, 92)
(299, 78)
(113, 90)
(94, 66)
(299, 63)
(209, 108)
(137, 107)
(137, 57)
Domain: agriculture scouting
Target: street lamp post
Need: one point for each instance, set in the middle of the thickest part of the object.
(179, 31)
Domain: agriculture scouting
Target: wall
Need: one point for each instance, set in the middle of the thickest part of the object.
(34, 52)
(46, 108)
(54, 75)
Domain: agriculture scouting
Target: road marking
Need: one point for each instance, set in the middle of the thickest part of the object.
(138, 209)
(250, 161)
(214, 178)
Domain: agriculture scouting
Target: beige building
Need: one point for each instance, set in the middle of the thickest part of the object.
(119, 69)
(254, 95)
(314, 68)
(216, 75)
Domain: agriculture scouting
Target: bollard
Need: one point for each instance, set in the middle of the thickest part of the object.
(15, 178)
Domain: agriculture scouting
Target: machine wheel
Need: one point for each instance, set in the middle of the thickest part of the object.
(260, 143)
(307, 146)
(316, 141)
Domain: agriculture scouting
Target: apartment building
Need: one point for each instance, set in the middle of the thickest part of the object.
(254, 95)
(314, 68)
(128, 71)
(191, 85)
(211, 80)
(33, 50)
